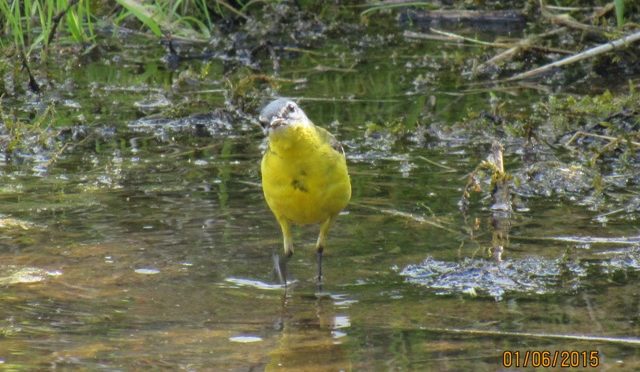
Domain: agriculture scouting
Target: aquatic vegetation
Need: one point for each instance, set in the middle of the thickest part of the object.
(27, 139)
(24, 18)
(529, 276)
(184, 18)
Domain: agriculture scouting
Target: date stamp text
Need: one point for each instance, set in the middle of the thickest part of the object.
(550, 359)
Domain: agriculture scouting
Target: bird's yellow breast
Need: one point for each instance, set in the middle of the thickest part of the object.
(304, 179)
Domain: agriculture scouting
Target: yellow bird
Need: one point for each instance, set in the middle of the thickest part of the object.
(304, 174)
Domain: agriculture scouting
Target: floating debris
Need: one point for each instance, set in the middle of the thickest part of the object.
(625, 261)
(153, 103)
(531, 275)
(200, 125)
(554, 178)
(589, 240)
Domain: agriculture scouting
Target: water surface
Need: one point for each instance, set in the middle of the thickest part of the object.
(148, 245)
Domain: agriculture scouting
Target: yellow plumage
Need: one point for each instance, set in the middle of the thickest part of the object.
(304, 172)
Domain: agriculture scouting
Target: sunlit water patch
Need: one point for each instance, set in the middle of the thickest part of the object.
(240, 282)
(147, 271)
(12, 274)
(245, 339)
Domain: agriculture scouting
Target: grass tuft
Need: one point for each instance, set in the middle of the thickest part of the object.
(33, 23)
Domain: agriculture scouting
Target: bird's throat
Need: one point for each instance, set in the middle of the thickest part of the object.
(294, 138)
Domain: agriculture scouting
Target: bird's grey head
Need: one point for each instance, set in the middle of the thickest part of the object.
(282, 112)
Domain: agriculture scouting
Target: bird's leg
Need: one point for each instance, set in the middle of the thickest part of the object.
(322, 238)
(280, 265)
(286, 236)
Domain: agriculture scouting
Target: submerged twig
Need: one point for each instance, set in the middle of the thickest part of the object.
(436, 163)
(616, 340)
(469, 39)
(522, 45)
(583, 239)
(567, 20)
(56, 155)
(322, 68)
(302, 50)
(249, 183)
(509, 89)
(601, 12)
(590, 53)
(344, 99)
(499, 180)
(570, 8)
(600, 136)
(458, 16)
(410, 216)
(421, 35)
(511, 48)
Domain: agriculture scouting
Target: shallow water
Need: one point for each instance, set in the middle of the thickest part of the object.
(152, 247)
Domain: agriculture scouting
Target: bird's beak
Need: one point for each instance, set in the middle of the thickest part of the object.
(264, 123)
(276, 122)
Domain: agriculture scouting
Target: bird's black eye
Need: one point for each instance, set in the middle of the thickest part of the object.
(291, 107)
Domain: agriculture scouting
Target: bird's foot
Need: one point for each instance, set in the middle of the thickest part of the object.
(319, 277)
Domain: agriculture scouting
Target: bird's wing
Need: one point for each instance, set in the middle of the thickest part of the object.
(330, 139)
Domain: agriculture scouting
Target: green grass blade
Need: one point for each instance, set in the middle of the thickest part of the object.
(619, 5)
(87, 11)
(205, 11)
(27, 6)
(191, 21)
(21, 39)
(142, 13)
(74, 26)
